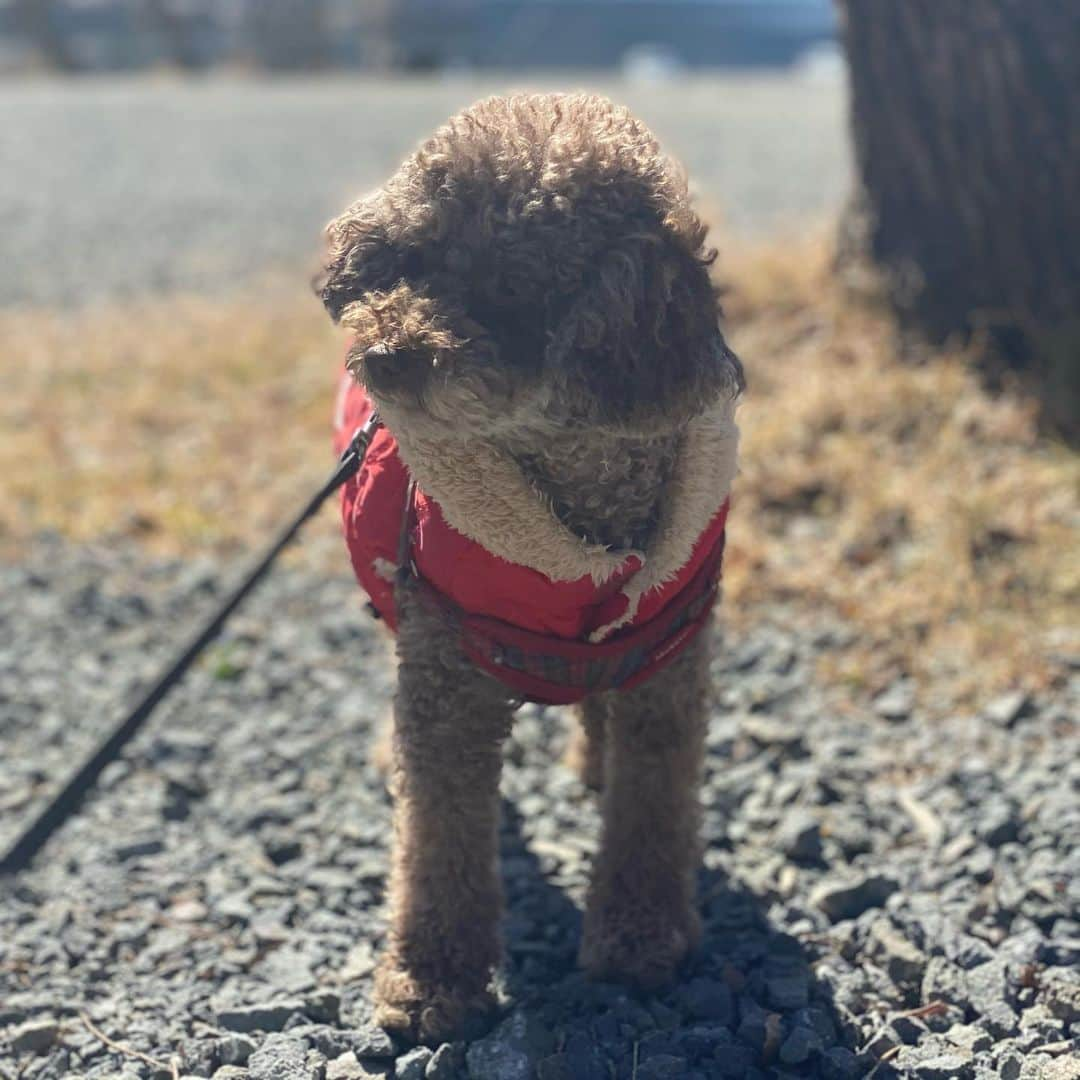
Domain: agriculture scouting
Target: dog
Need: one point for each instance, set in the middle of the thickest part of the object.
(540, 517)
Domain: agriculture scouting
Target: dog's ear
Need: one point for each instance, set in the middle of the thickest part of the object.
(360, 258)
(643, 337)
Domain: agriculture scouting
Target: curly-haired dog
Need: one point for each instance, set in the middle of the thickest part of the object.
(533, 318)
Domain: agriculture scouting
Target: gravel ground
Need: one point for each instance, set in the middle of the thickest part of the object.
(112, 188)
(882, 893)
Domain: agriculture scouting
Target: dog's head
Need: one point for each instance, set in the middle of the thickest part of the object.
(537, 256)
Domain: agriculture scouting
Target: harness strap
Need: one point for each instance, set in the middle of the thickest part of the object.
(552, 670)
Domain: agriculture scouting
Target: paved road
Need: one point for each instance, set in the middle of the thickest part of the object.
(110, 188)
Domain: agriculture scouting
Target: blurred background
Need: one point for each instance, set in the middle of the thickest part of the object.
(226, 133)
(413, 35)
(900, 294)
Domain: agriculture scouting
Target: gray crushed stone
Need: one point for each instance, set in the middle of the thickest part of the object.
(881, 892)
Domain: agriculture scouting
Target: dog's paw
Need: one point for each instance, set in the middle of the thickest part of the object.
(427, 1012)
(643, 949)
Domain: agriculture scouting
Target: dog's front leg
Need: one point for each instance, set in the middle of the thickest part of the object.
(450, 721)
(641, 916)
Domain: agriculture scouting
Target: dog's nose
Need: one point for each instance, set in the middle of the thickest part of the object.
(392, 369)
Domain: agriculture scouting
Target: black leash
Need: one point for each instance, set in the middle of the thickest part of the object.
(65, 802)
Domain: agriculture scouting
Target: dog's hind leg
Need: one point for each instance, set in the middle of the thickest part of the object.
(381, 747)
(585, 752)
(641, 916)
(450, 721)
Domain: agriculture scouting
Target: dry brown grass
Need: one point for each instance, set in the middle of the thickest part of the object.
(189, 423)
(898, 494)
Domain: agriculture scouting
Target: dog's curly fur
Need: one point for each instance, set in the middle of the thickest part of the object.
(534, 279)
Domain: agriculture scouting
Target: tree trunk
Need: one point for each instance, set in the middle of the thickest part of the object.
(966, 123)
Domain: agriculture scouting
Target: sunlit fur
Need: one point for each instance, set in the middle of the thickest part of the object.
(539, 264)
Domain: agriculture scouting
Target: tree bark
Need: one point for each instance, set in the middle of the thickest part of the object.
(966, 123)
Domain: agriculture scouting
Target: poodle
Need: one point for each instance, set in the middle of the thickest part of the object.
(540, 517)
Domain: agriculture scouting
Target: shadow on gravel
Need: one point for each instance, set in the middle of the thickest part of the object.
(542, 925)
(747, 999)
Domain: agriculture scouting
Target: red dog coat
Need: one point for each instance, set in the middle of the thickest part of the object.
(536, 635)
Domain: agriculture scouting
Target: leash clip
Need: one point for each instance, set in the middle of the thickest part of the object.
(363, 435)
(353, 455)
